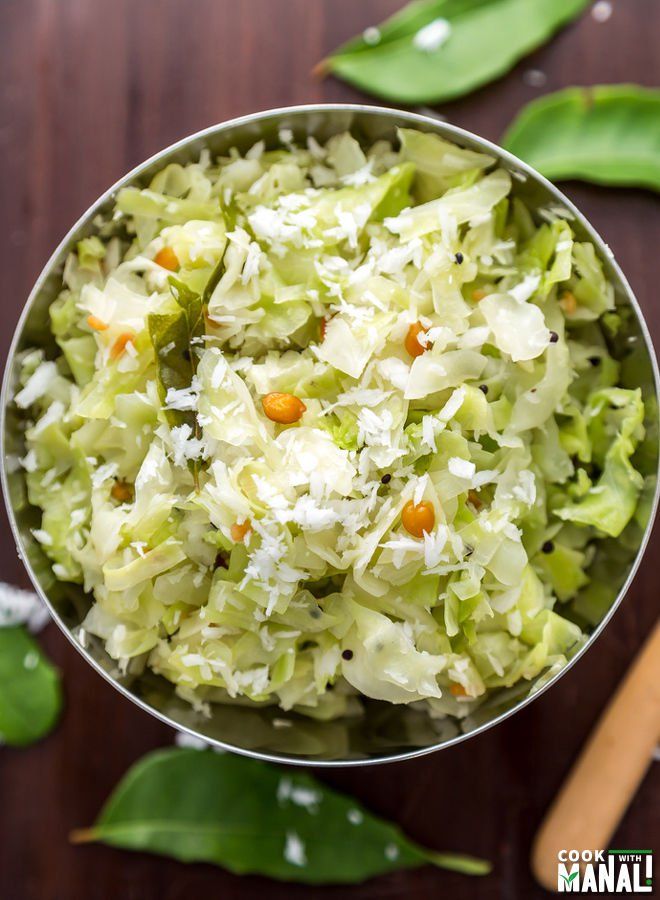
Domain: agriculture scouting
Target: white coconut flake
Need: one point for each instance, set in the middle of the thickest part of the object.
(461, 468)
(78, 516)
(30, 462)
(19, 607)
(526, 288)
(256, 151)
(420, 488)
(294, 850)
(185, 447)
(601, 11)
(355, 816)
(486, 476)
(452, 405)
(428, 432)
(285, 136)
(434, 545)
(316, 150)
(525, 490)
(360, 176)
(311, 516)
(391, 852)
(37, 385)
(192, 742)
(253, 262)
(371, 35)
(349, 224)
(183, 399)
(535, 78)
(54, 413)
(31, 660)
(42, 536)
(307, 798)
(395, 371)
(432, 36)
(104, 473)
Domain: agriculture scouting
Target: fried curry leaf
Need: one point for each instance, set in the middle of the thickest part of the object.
(250, 817)
(174, 336)
(30, 690)
(609, 134)
(214, 278)
(171, 339)
(434, 50)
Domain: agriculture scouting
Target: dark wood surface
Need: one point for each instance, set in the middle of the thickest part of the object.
(89, 88)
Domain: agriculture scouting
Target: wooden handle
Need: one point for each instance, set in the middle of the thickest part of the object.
(609, 770)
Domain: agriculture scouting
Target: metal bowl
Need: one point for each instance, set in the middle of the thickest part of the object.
(384, 732)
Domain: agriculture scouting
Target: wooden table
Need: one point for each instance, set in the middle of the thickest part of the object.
(89, 88)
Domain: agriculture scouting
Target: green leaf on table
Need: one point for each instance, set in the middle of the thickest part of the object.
(435, 50)
(609, 134)
(251, 817)
(30, 691)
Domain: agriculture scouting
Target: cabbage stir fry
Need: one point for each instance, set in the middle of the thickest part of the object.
(330, 422)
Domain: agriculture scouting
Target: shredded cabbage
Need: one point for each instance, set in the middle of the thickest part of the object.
(444, 353)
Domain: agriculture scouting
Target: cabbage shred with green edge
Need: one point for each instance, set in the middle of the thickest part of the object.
(300, 270)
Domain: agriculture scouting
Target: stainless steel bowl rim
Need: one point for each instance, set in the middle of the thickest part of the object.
(415, 119)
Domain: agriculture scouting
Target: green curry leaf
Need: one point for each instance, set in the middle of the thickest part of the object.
(175, 359)
(192, 305)
(252, 817)
(477, 41)
(217, 272)
(609, 134)
(30, 691)
(174, 336)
